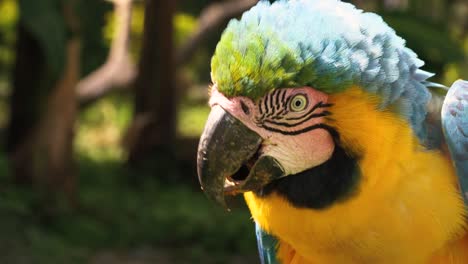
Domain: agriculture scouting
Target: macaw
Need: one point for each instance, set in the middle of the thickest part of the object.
(324, 121)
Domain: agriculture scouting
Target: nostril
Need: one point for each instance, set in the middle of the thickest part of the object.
(245, 108)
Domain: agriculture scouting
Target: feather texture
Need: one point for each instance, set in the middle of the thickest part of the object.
(328, 45)
(455, 127)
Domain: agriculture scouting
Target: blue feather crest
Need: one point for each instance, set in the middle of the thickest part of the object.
(326, 44)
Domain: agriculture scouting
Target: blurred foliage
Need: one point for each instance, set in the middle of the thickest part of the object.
(93, 47)
(191, 119)
(9, 11)
(197, 70)
(184, 25)
(101, 128)
(432, 42)
(49, 27)
(45, 21)
(195, 7)
(454, 71)
(102, 125)
(8, 18)
(117, 213)
(136, 27)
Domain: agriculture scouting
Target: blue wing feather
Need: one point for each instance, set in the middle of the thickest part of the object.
(267, 245)
(455, 127)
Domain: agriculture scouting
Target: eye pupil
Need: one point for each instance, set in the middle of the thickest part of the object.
(299, 103)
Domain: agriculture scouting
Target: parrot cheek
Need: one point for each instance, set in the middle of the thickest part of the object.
(300, 152)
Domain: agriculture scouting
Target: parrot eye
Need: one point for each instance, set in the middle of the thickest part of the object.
(298, 103)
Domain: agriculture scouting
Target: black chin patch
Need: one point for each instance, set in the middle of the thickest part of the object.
(319, 187)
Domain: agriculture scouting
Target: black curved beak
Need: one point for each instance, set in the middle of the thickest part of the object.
(229, 159)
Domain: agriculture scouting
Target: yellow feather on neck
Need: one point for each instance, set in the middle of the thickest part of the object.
(407, 207)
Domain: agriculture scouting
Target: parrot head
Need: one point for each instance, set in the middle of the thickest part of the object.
(248, 144)
(277, 122)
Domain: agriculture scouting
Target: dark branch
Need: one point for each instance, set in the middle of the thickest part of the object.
(118, 71)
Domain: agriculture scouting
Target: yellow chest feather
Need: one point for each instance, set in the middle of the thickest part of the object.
(407, 208)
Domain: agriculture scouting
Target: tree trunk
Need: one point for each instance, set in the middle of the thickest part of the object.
(56, 130)
(43, 116)
(154, 124)
(25, 100)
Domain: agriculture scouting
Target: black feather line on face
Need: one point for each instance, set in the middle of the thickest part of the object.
(324, 113)
(280, 109)
(280, 98)
(322, 186)
(296, 132)
(273, 104)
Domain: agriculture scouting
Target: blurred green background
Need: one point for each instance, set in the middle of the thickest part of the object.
(101, 107)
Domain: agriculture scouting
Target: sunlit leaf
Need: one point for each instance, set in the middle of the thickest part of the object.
(9, 11)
